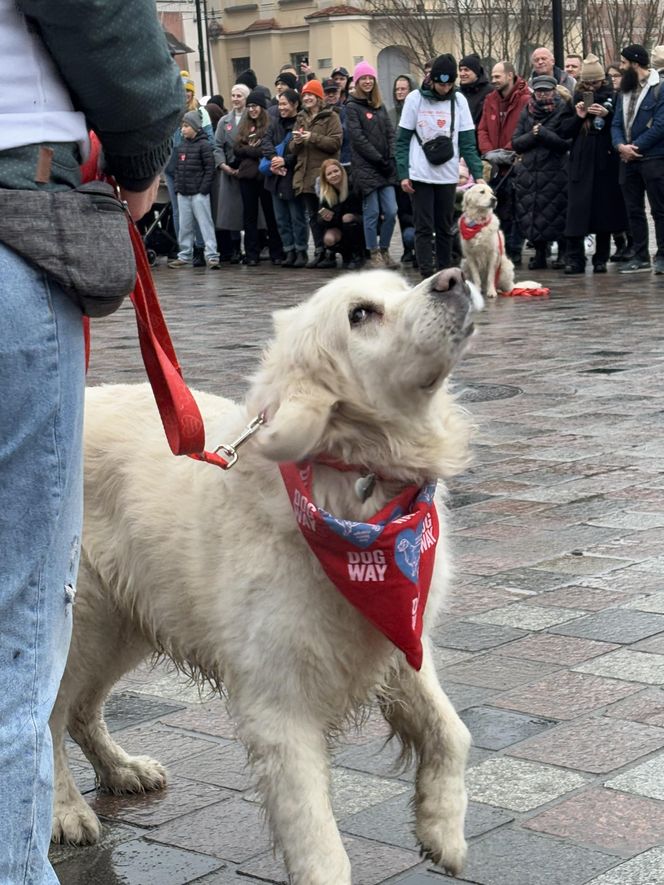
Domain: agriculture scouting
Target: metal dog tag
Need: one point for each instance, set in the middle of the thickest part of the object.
(364, 486)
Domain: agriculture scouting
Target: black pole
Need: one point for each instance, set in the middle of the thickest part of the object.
(557, 20)
(207, 46)
(201, 48)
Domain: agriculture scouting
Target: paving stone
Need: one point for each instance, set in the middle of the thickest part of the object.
(493, 671)
(619, 625)
(651, 603)
(646, 869)
(613, 822)
(232, 830)
(464, 696)
(151, 809)
(629, 665)
(578, 597)
(228, 875)
(371, 862)
(565, 695)
(225, 766)
(474, 635)
(528, 579)
(526, 616)
(518, 857)
(655, 644)
(125, 708)
(582, 565)
(646, 706)
(210, 719)
(354, 791)
(517, 785)
(423, 877)
(474, 598)
(625, 580)
(112, 834)
(138, 862)
(646, 779)
(596, 745)
(564, 650)
(377, 758)
(165, 681)
(495, 729)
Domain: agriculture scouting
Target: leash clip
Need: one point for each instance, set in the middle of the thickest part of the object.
(230, 451)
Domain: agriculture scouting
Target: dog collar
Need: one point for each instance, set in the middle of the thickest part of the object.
(383, 567)
(469, 230)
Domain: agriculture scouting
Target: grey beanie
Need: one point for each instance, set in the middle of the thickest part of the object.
(193, 119)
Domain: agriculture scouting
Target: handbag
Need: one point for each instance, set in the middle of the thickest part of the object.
(79, 237)
(280, 150)
(440, 149)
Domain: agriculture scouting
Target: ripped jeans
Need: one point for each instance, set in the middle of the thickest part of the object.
(42, 377)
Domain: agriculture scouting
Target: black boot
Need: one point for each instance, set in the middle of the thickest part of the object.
(289, 260)
(199, 257)
(329, 260)
(538, 261)
(318, 256)
(300, 260)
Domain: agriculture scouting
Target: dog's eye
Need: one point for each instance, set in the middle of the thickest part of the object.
(361, 314)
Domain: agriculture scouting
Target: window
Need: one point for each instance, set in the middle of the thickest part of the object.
(324, 63)
(297, 58)
(240, 65)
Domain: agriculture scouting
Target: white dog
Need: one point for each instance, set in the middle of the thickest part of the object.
(210, 568)
(483, 244)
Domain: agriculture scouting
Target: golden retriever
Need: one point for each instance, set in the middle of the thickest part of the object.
(210, 568)
(483, 244)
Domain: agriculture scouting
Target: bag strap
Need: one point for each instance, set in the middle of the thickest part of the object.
(453, 104)
(179, 412)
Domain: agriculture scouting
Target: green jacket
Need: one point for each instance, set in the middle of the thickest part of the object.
(114, 60)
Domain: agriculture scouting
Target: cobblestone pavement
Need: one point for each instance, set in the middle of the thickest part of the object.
(552, 647)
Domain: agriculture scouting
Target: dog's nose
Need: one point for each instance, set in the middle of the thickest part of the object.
(447, 279)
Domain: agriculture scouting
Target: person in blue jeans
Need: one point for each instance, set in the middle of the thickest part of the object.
(132, 100)
(371, 137)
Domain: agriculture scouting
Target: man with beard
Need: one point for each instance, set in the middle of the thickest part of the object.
(637, 132)
(501, 112)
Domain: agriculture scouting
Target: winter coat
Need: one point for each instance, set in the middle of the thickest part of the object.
(395, 113)
(229, 200)
(371, 138)
(195, 166)
(541, 174)
(500, 117)
(248, 152)
(352, 205)
(325, 142)
(595, 202)
(280, 185)
(476, 93)
(648, 124)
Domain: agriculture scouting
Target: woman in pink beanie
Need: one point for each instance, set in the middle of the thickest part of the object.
(371, 138)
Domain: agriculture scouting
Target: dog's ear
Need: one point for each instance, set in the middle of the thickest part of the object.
(297, 426)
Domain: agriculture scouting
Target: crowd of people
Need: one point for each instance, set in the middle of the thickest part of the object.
(568, 153)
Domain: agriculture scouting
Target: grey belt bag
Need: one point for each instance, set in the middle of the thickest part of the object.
(79, 237)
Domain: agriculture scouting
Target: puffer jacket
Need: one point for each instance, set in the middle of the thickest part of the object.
(541, 174)
(371, 137)
(280, 185)
(325, 142)
(195, 166)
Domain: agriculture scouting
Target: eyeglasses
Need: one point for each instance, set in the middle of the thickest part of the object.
(543, 91)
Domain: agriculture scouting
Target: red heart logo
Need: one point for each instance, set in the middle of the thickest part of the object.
(440, 123)
(369, 116)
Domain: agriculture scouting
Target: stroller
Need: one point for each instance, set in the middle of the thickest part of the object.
(158, 229)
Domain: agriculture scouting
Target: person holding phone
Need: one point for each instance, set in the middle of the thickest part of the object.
(595, 203)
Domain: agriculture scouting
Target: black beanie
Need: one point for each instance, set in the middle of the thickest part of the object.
(636, 52)
(257, 97)
(287, 79)
(248, 78)
(444, 69)
(472, 61)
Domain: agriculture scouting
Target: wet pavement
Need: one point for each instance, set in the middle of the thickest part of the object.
(552, 646)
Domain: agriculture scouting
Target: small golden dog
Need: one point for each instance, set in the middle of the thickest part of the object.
(482, 243)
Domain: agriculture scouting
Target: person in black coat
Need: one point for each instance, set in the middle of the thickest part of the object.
(194, 172)
(371, 137)
(541, 174)
(475, 85)
(340, 216)
(595, 202)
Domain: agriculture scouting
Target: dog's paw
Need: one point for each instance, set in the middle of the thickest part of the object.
(492, 294)
(74, 823)
(443, 845)
(137, 774)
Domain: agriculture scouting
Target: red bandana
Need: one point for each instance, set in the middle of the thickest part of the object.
(468, 231)
(383, 567)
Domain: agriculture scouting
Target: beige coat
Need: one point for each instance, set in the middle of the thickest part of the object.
(325, 142)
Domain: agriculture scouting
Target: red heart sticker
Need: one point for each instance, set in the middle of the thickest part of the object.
(369, 116)
(229, 126)
(440, 123)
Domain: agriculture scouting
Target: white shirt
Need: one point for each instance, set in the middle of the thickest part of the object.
(430, 118)
(35, 106)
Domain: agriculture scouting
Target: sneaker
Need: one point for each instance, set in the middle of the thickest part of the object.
(636, 266)
(600, 267)
(574, 269)
(387, 259)
(178, 262)
(213, 264)
(376, 259)
(659, 265)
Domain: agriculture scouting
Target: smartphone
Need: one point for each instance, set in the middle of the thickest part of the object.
(305, 60)
(588, 99)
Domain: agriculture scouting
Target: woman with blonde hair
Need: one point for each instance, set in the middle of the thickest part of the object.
(371, 137)
(317, 136)
(340, 217)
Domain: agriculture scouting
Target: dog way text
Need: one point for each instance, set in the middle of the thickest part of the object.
(367, 565)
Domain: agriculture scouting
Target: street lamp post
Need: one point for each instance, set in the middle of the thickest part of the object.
(207, 45)
(557, 21)
(201, 46)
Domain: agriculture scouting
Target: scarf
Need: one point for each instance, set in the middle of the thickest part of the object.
(470, 230)
(539, 108)
(383, 567)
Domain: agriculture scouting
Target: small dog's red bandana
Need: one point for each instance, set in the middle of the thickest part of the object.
(383, 567)
(468, 231)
